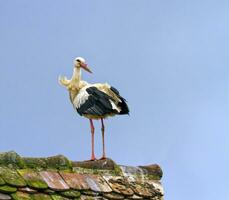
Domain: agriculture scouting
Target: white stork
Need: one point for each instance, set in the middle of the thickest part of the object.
(93, 101)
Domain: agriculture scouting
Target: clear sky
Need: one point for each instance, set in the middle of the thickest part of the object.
(169, 59)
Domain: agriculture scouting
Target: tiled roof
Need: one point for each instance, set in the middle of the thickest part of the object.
(57, 178)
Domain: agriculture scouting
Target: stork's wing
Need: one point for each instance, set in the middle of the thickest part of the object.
(96, 103)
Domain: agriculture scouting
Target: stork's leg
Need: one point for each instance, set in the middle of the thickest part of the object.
(103, 130)
(92, 140)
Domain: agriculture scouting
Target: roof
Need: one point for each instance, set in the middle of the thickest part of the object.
(57, 178)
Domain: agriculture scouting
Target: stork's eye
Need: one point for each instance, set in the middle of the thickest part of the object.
(78, 60)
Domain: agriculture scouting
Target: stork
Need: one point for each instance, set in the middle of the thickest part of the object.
(93, 101)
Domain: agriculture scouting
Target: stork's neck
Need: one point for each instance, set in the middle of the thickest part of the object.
(76, 77)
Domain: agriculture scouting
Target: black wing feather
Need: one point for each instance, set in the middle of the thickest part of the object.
(123, 105)
(98, 103)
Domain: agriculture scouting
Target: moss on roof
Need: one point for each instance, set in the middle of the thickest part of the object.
(57, 178)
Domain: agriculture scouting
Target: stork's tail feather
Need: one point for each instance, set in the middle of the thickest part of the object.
(123, 105)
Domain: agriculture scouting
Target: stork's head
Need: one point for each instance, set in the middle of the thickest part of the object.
(80, 62)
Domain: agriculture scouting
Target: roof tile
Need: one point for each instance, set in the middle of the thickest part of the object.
(119, 184)
(2, 182)
(85, 197)
(21, 196)
(156, 186)
(71, 194)
(7, 189)
(11, 177)
(41, 196)
(27, 190)
(5, 196)
(141, 190)
(54, 180)
(75, 181)
(135, 197)
(97, 183)
(113, 195)
(33, 179)
(58, 197)
(90, 193)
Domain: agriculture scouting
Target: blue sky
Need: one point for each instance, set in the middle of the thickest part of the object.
(169, 59)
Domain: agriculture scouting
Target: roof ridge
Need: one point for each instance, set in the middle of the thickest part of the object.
(57, 178)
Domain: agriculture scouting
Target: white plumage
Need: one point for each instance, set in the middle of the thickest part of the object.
(80, 98)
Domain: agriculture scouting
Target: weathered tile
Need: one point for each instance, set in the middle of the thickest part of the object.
(148, 187)
(157, 198)
(5, 196)
(133, 173)
(75, 181)
(90, 193)
(41, 196)
(71, 194)
(21, 196)
(58, 197)
(97, 183)
(84, 197)
(113, 195)
(141, 190)
(135, 197)
(11, 177)
(49, 191)
(33, 179)
(86, 181)
(54, 180)
(156, 186)
(119, 184)
(154, 171)
(27, 190)
(2, 182)
(7, 189)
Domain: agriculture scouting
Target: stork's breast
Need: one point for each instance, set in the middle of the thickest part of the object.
(80, 98)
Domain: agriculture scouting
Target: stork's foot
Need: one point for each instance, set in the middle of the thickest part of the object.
(103, 158)
(93, 158)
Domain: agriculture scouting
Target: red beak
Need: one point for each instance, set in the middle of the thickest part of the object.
(85, 67)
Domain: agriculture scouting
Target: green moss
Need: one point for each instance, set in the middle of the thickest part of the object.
(82, 170)
(48, 191)
(117, 170)
(11, 177)
(71, 194)
(2, 182)
(88, 198)
(58, 197)
(35, 163)
(7, 189)
(41, 196)
(21, 196)
(58, 162)
(154, 177)
(11, 159)
(33, 179)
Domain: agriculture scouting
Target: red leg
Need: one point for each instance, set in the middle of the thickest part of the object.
(92, 140)
(103, 130)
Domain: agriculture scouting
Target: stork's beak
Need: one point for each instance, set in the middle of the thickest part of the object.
(85, 67)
